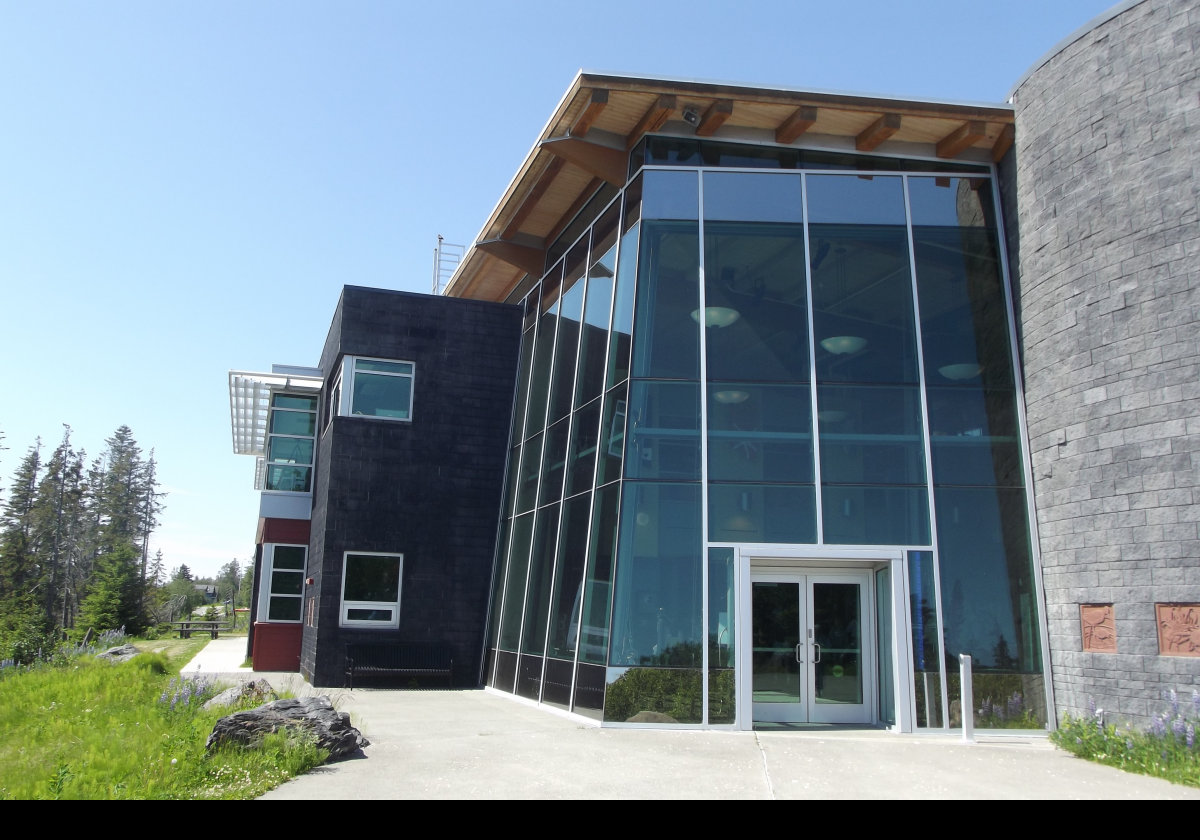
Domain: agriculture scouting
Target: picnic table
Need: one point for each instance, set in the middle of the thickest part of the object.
(213, 627)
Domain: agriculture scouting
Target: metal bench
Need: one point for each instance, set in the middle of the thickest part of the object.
(400, 659)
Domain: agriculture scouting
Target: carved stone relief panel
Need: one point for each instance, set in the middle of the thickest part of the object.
(1098, 627)
(1178, 629)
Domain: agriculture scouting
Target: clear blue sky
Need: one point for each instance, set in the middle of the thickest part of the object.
(186, 186)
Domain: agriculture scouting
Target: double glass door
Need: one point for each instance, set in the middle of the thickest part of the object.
(810, 659)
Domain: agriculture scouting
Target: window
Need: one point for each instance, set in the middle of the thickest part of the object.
(371, 589)
(291, 433)
(281, 592)
(374, 388)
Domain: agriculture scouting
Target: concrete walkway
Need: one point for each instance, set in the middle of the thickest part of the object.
(483, 745)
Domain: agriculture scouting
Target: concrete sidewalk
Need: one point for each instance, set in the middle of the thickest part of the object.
(484, 745)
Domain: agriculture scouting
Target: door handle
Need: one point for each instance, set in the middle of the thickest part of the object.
(818, 648)
(798, 659)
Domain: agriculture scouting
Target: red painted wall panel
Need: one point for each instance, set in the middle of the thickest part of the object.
(276, 647)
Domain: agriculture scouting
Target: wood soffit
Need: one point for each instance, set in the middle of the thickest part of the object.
(586, 143)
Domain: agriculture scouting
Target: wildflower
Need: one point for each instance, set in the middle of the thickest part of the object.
(1191, 735)
(1158, 726)
(1174, 697)
(1177, 727)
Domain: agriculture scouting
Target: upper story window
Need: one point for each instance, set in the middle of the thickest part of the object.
(291, 432)
(373, 388)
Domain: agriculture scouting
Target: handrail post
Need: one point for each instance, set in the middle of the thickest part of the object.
(966, 697)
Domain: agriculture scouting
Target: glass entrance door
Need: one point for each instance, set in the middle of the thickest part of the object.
(809, 663)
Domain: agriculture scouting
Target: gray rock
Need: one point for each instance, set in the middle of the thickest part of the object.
(315, 715)
(121, 653)
(257, 691)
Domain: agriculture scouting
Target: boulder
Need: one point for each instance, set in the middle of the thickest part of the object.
(315, 715)
(121, 653)
(255, 691)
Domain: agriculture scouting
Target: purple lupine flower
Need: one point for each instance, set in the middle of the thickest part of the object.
(1177, 727)
(1191, 735)
(1129, 745)
(1159, 726)
(1174, 697)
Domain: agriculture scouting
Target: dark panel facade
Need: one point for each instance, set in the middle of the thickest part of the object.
(427, 487)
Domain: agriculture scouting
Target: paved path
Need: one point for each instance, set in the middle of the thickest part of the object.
(482, 745)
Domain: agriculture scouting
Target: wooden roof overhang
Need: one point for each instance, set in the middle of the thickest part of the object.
(601, 117)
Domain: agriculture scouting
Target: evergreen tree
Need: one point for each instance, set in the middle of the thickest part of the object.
(58, 511)
(182, 572)
(18, 551)
(114, 598)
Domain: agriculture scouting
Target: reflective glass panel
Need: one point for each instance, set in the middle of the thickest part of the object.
(294, 401)
(290, 450)
(289, 557)
(664, 430)
(554, 462)
(861, 280)
(974, 436)
(883, 644)
(581, 456)
(527, 484)
(594, 632)
(870, 435)
(670, 195)
(772, 513)
(621, 340)
(674, 692)
(293, 423)
(612, 434)
(372, 577)
(568, 579)
(517, 569)
(722, 642)
(875, 515)
(566, 353)
(927, 673)
(404, 368)
(377, 395)
(658, 586)
(667, 330)
(594, 341)
(753, 197)
(287, 583)
(288, 479)
(964, 312)
(284, 609)
(759, 433)
(988, 596)
(543, 356)
(522, 394)
(541, 573)
(755, 286)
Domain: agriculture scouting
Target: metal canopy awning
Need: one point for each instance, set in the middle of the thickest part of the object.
(250, 402)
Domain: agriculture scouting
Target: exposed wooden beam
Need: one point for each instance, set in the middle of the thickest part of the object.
(652, 120)
(1003, 142)
(595, 105)
(583, 198)
(714, 117)
(602, 161)
(961, 139)
(877, 132)
(800, 121)
(529, 260)
(533, 196)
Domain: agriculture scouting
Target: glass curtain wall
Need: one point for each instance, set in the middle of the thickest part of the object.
(752, 357)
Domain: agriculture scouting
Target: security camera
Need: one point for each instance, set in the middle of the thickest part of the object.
(691, 116)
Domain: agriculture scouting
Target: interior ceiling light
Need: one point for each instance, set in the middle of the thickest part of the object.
(731, 397)
(842, 344)
(716, 316)
(963, 371)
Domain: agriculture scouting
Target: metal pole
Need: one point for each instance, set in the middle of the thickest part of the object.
(966, 698)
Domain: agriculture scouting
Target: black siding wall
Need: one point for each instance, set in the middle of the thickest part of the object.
(428, 489)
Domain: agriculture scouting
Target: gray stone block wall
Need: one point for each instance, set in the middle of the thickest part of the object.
(1106, 260)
